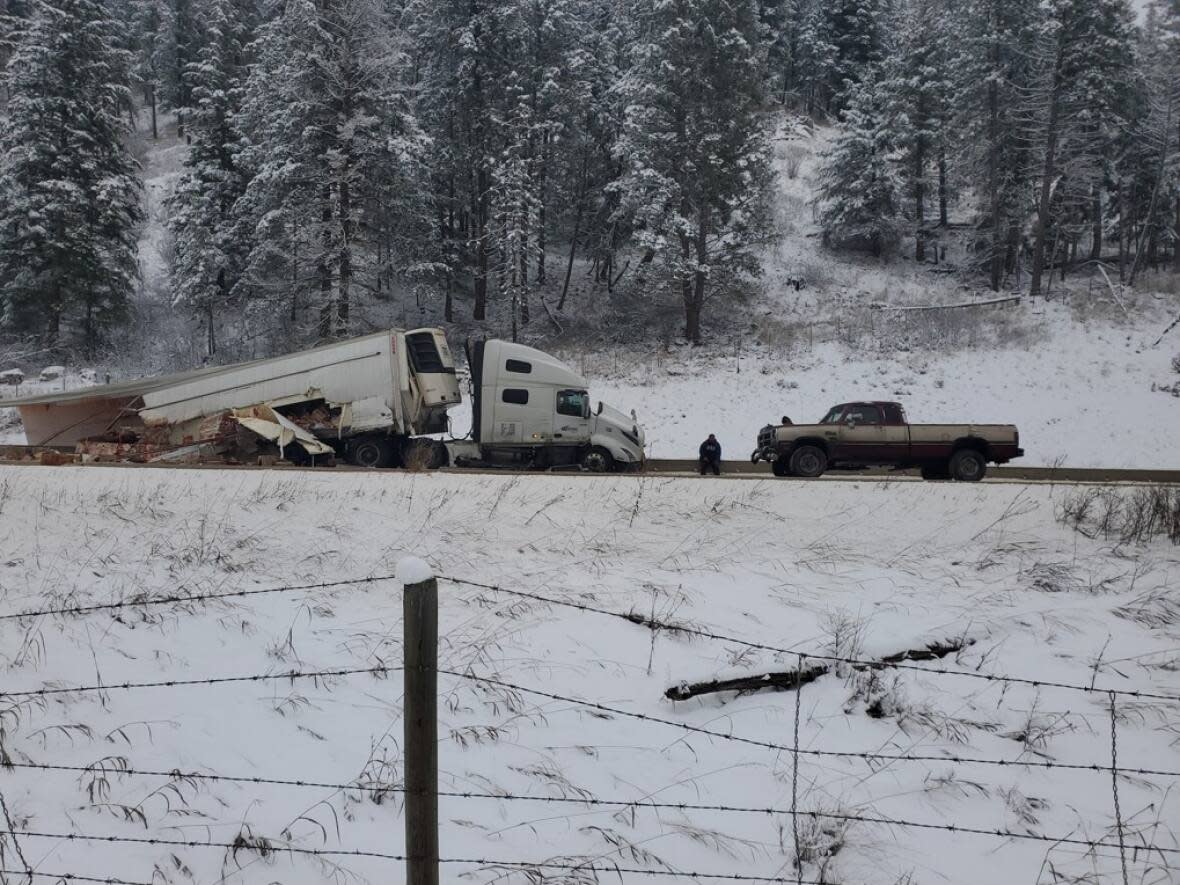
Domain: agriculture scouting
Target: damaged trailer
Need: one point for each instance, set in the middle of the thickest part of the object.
(374, 401)
(361, 399)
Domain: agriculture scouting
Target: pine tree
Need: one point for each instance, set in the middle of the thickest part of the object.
(994, 70)
(918, 91)
(693, 142)
(1086, 65)
(150, 53)
(210, 251)
(336, 196)
(71, 195)
(1151, 147)
(837, 42)
(180, 47)
(860, 188)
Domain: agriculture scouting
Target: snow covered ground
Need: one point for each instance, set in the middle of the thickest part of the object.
(859, 569)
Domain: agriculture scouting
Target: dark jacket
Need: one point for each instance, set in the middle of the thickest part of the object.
(710, 450)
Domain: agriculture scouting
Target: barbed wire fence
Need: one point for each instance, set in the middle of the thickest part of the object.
(592, 867)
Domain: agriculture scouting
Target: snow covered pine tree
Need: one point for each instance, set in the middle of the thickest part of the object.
(696, 178)
(69, 189)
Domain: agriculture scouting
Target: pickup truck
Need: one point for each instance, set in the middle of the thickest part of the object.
(877, 434)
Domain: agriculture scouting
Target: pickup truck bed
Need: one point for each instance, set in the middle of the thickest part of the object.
(877, 434)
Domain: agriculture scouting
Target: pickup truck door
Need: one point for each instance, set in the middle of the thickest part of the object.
(861, 437)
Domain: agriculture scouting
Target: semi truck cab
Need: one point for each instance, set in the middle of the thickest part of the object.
(530, 406)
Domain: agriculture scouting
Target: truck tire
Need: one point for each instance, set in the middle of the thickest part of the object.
(780, 467)
(968, 465)
(372, 452)
(597, 460)
(809, 462)
(936, 471)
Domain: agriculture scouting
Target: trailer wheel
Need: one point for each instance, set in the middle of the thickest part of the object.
(372, 451)
(598, 460)
(780, 467)
(968, 465)
(809, 461)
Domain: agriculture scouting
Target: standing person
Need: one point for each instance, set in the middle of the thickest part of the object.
(711, 456)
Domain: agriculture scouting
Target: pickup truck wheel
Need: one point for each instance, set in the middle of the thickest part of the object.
(780, 467)
(372, 451)
(598, 460)
(809, 462)
(968, 465)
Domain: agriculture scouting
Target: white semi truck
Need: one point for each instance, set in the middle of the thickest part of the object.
(377, 401)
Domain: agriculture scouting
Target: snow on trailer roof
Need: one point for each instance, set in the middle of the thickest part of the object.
(140, 386)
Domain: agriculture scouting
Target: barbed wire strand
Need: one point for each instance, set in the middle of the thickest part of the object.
(138, 602)
(381, 670)
(71, 877)
(857, 662)
(786, 748)
(267, 847)
(20, 855)
(183, 683)
(178, 774)
(1114, 784)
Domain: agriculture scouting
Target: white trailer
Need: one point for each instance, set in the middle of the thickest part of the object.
(375, 401)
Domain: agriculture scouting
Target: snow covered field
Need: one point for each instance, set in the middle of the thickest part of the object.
(860, 570)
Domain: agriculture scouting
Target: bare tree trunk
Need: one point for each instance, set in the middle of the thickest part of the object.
(1095, 223)
(943, 196)
(210, 333)
(523, 288)
(344, 283)
(543, 196)
(1176, 238)
(152, 101)
(1048, 171)
(920, 188)
(1124, 221)
(993, 163)
(1163, 165)
(481, 245)
(569, 267)
(324, 270)
(694, 289)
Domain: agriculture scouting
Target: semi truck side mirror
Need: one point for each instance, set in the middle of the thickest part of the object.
(600, 407)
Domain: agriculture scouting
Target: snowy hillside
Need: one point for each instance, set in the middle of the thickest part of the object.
(855, 570)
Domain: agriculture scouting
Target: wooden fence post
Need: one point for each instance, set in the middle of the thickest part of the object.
(420, 716)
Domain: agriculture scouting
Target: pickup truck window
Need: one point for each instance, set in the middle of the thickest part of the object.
(833, 417)
(574, 403)
(863, 415)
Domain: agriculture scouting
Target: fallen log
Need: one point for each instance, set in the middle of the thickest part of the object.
(792, 679)
(788, 680)
(990, 302)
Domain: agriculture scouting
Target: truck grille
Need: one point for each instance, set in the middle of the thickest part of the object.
(765, 437)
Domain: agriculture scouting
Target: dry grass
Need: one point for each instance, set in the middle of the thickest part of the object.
(1127, 517)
